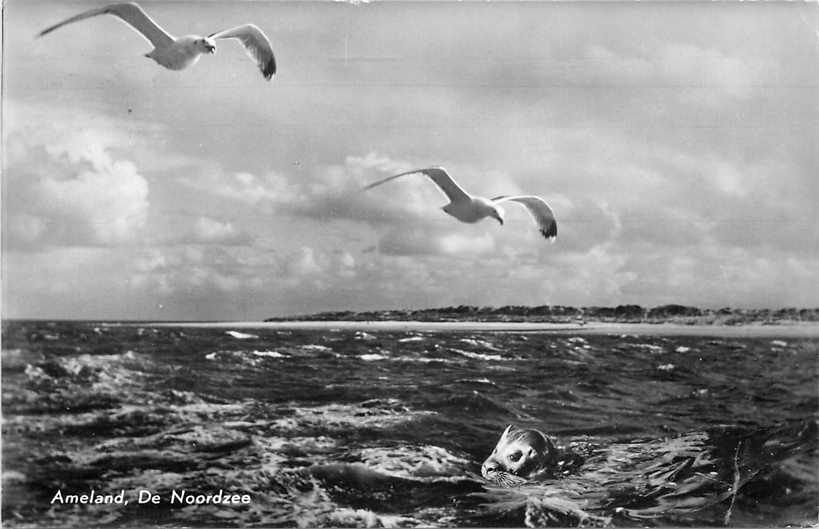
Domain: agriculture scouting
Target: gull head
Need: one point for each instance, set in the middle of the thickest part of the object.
(497, 214)
(206, 45)
(481, 208)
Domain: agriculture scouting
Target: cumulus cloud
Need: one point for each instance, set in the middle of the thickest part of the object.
(432, 241)
(332, 191)
(245, 187)
(405, 213)
(716, 275)
(302, 263)
(184, 270)
(206, 230)
(66, 187)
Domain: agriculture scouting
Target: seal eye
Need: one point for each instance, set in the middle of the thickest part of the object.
(515, 456)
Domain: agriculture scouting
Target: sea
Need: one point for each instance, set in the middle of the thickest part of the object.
(261, 426)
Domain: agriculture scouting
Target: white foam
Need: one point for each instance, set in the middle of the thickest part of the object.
(427, 359)
(666, 367)
(479, 343)
(412, 339)
(477, 356)
(477, 380)
(496, 367)
(779, 343)
(349, 517)
(158, 479)
(414, 462)
(273, 450)
(682, 349)
(270, 354)
(206, 435)
(12, 475)
(390, 413)
(316, 347)
(35, 373)
(580, 352)
(240, 335)
(656, 349)
(372, 357)
(105, 373)
(245, 357)
(197, 408)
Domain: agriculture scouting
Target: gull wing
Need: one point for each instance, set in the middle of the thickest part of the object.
(445, 183)
(539, 210)
(132, 14)
(256, 43)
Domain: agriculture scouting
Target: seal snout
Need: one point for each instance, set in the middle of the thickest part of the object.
(489, 467)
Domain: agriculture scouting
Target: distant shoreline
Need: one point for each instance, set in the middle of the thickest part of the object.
(569, 315)
(780, 330)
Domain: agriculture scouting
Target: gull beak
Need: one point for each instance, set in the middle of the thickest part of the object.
(211, 49)
(500, 220)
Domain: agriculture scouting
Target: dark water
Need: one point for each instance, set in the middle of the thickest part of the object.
(325, 428)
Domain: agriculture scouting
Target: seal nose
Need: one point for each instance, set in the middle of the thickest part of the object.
(488, 467)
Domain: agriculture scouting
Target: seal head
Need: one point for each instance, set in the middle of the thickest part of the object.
(521, 454)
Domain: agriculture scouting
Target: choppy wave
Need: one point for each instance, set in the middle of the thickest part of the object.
(241, 335)
(370, 414)
(390, 428)
(372, 357)
(411, 339)
(478, 356)
(414, 462)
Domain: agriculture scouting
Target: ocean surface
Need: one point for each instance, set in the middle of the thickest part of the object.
(348, 428)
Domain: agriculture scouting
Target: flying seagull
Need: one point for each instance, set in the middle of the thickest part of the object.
(467, 208)
(177, 53)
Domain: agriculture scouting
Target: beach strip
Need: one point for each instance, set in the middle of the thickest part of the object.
(783, 330)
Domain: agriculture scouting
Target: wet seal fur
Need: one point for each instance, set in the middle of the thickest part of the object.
(520, 455)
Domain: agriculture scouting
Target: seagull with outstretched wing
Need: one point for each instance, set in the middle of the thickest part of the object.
(468, 208)
(178, 53)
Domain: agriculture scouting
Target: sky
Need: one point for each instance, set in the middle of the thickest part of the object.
(675, 142)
